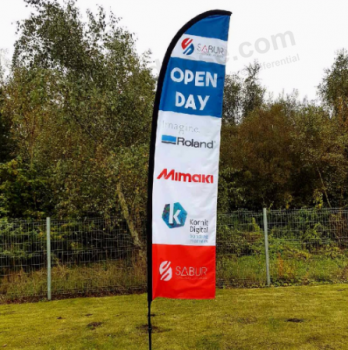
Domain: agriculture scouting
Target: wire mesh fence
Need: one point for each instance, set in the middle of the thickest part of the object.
(240, 250)
(308, 246)
(98, 256)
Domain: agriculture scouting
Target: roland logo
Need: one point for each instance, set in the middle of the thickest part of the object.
(181, 141)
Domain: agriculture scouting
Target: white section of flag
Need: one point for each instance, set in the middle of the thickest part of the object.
(197, 198)
(205, 49)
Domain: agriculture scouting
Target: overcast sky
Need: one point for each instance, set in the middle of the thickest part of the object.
(315, 31)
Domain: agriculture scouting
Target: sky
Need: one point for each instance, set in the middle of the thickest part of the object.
(313, 32)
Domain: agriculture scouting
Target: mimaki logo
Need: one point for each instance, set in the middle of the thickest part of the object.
(166, 271)
(187, 46)
(185, 177)
(174, 215)
(181, 141)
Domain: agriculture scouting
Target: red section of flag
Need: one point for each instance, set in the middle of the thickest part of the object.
(183, 272)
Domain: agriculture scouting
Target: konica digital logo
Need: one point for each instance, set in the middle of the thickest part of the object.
(174, 215)
(188, 46)
(166, 272)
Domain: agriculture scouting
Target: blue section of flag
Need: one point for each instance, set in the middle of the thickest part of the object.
(169, 139)
(215, 27)
(174, 93)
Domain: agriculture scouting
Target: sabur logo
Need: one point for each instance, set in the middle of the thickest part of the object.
(187, 46)
(166, 271)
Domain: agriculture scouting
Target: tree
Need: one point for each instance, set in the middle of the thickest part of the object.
(334, 87)
(262, 166)
(320, 143)
(6, 143)
(80, 98)
(232, 101)
(242, 95)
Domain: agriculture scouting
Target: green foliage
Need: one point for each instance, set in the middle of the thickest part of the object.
(80, 101)
(23, 190)
(242, 95)
(334, 88)
(289, 154)
(6, 141)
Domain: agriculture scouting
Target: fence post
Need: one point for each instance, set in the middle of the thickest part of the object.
(48, 232)
(265, 230)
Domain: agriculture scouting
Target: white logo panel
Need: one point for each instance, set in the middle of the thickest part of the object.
(186, 179)
(197, 48)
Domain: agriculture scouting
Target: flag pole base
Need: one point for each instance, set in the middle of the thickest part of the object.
(149, 325)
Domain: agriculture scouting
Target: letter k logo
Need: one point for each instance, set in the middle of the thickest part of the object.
(174, 215)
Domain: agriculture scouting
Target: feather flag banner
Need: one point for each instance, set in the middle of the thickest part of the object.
(184, 161)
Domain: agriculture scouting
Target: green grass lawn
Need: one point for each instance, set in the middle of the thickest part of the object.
(276, 318)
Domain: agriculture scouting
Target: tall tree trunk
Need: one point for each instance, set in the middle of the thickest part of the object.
(130, 223)
(324, 187)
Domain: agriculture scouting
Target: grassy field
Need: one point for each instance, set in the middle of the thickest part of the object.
(276, 318)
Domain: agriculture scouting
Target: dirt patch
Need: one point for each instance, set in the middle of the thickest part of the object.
(247, 320)
(88, 315)
(295, 320)
(326, 347)
(6, 313)
(94, 325)
(103, 293)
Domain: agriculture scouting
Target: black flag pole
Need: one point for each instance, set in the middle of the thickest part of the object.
(152, 152)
